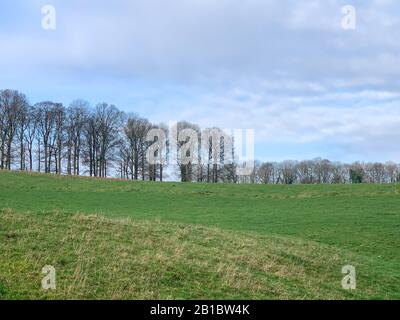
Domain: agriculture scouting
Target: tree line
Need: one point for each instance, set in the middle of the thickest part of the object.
(103, 141)
(323, 171)
(99, 142)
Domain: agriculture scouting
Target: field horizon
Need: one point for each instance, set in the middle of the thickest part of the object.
(116, 239)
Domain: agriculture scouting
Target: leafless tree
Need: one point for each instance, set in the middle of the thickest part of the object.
(11, 104)
(340, 173)
(392, 172)
(77, 115)
(322, 170)
(109, 120)
(22, 126)
(375, 172)
(91, 144)
(158, 147)
(288, 172)
(265, 172)
(46, 125)
(135, 132)
(306, 171)
(30, 134)
(187, 140)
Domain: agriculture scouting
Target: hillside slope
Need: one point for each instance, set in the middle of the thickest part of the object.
(119, 239)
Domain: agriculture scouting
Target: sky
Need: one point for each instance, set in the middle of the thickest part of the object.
(285, 68)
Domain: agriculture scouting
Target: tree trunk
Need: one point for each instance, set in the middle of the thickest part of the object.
(22, 154)
(8, 162)
(69, 160)
(39, 156)
(30, 157)
(2, 154)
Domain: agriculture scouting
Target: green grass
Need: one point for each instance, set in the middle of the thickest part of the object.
(124, 239)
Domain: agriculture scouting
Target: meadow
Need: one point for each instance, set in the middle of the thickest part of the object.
(149, 240)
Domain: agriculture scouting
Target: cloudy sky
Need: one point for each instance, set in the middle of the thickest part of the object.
(285, 68)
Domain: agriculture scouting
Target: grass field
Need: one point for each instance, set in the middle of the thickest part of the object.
(123, 239)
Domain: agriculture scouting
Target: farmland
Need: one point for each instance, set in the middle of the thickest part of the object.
(146, 240)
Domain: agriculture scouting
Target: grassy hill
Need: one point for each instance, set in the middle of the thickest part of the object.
(124, 239)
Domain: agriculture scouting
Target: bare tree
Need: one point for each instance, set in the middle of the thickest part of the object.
(392, 172)
(339, 173)
(91, 144)
(46, 124)
(59, 135)
(77, 115)
(265, 172)
(23, 124)
(322, 170)
(217, 147)
(135, 132)
(30, 134)
(374, 172)
(230, 165)
(305, 170)
(288, 171)
(186, 144)
(109, 120)
(157, 151)
(11, 104)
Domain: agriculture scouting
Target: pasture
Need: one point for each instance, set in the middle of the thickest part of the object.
(149, 240)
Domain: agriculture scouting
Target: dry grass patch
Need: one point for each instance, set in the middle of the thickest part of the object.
(99, 258)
